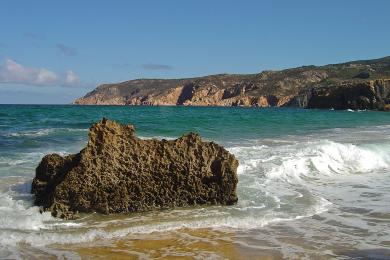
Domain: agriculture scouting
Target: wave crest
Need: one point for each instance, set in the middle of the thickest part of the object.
(329, 158)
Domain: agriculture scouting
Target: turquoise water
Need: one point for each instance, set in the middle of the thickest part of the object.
(211, 122)
(320, 175)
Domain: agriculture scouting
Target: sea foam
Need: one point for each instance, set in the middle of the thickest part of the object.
(314, 158)
(43, 132)
(38, 239)
(328, 158)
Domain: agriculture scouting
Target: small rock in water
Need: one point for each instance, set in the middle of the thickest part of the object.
(119, 173)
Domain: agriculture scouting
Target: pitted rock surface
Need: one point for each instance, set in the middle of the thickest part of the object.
(119, 173)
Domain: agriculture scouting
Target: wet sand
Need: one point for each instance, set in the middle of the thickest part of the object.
(181, 244)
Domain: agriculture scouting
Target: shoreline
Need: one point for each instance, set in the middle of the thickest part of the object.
(292, 163)
(191, 106)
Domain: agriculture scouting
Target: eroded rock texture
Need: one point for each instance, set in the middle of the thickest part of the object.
(120, 173)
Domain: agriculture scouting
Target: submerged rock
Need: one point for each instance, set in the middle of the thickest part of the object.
(119, 173)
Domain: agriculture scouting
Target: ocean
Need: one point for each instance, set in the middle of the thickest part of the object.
(313, 184)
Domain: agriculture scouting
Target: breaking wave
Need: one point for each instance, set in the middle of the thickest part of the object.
(328, 158)
(313, 159)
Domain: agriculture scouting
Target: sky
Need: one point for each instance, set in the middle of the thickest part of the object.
(52, 52)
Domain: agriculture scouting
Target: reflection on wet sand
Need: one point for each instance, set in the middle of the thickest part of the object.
(181, 244)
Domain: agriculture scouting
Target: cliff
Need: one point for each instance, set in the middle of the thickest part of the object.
(302, 87)
(373, 95)
(119, 173)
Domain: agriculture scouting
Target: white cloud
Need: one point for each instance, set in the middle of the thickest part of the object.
(13, 72)
(46, 77)
(71, 78)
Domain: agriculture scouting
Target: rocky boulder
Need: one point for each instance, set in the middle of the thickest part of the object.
(119, 173)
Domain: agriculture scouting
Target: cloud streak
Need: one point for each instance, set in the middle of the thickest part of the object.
(66, 50)
(12, 72)
(152, 66)
(33, 36)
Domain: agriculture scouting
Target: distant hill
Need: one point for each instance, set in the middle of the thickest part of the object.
(363, 84)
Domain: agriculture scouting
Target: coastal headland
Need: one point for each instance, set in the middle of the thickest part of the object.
(354, 85)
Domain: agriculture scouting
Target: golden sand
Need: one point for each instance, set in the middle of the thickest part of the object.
(181, 244)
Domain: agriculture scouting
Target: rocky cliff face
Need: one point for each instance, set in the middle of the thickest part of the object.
(362, 95)
(119, 173)
(373, 95)
(217, 90)
(289, 87)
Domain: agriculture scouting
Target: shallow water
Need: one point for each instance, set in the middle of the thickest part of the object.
(312, 184)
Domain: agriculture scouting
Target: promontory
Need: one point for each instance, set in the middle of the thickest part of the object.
(363, 84)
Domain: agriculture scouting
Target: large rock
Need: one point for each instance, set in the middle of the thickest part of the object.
(120, 173)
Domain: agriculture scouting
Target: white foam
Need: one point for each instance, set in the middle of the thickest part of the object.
(250, 157)
(45, 132)
(21, 215)
(220, 223)
(34, 133)
(27, 158)
(357, 110)
(250, 208)
(315, 158)
(12, 162)
(14, 215)
(328, 158)
(74, 129)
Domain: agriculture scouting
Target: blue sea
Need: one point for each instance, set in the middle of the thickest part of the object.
(313, 184)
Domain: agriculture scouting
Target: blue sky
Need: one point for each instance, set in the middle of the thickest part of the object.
(53, 52)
